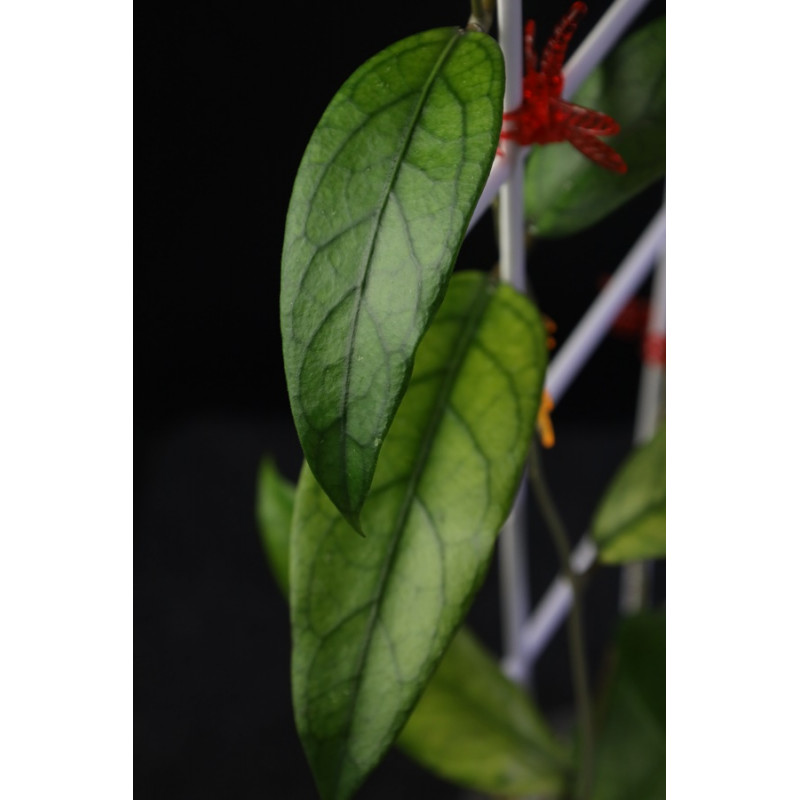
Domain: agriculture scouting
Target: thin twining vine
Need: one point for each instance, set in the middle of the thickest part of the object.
(577, 650)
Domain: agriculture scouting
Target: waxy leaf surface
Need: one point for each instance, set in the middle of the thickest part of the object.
(472, 726)
(631, 522)
(380, 206)
(565, 192)
(371, 617)
(631, 752)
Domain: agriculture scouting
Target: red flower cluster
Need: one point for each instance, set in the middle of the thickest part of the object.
(545, 117)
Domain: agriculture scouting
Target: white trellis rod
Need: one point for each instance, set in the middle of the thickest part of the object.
(552, 609)
(595, 323)
(533, 635)
(512, 551)
(523, 640)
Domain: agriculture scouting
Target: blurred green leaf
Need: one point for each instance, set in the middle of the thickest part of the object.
(631, 744)
(472, 726)
(564, 191)
(274, 506)
(476, 728)
(380, 205)
(371, 617)
(631, 521)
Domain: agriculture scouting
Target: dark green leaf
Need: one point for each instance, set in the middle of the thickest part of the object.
(371, 617)
(565, 192)
(476, 728)
(472, 726)
(379, 208)
(631, 522)
(631, 743)
(274, 506)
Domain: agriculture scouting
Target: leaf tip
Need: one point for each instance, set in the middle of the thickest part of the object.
(355, 524)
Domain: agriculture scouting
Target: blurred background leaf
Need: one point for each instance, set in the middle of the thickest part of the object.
(476, 728)
(274, 506)
(631, 521)
(631, 743)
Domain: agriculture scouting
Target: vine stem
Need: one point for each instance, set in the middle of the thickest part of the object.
(577, 651)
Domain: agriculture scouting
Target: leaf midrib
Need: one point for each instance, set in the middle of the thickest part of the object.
(367, 259)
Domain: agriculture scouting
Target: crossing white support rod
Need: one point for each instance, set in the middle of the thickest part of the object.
(598, 42)
(550, 613)
(595, 323)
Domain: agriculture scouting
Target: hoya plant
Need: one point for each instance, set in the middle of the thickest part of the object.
(421, 394)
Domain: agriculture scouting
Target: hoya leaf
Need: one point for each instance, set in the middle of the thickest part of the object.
(631, 522)
(274, 506)
(472, 726)
(476, 728)
(371, 617)
(630, 760)
(379, 208)
(565, 192)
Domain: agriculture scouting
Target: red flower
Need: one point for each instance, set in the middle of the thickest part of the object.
(544, 117)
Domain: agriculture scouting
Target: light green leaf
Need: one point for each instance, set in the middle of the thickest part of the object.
(380, 206)
(631, 744)
(565, 192)
(371, 617)
(274, 506)
(472, 726)
(631, 521)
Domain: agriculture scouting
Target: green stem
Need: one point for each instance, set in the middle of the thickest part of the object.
(482, 15)
(577, 651)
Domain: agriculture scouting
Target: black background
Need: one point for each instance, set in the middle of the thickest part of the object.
(226, 97)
